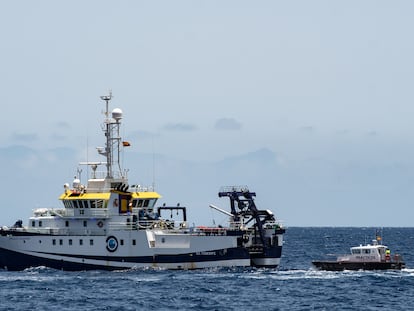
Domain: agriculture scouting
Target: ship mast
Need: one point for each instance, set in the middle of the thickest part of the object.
(113, 140)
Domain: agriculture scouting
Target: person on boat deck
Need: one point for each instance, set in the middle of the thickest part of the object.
(387, 254)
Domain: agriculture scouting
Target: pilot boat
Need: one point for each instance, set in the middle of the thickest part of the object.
(109, 224)
(373, 256)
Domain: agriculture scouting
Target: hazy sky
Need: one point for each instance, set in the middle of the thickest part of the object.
(310, 103)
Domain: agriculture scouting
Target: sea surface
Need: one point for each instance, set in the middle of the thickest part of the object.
(296, 285)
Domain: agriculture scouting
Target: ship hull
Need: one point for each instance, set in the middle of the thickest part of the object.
(16, 261)
(18, 252)
(268, 258)
(341, 266)
(21, 250)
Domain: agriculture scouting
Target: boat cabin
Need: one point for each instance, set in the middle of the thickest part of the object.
(368, 253)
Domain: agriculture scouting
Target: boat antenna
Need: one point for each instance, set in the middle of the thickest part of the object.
(108, 149)
(87, 156)
(153, 164)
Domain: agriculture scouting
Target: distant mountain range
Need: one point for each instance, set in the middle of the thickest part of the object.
(35, 178)
(314, 191)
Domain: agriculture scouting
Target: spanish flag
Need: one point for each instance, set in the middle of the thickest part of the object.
(126, 144)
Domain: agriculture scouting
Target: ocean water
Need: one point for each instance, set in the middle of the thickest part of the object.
(296, 285)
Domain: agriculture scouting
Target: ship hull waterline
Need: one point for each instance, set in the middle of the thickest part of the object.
(355, 266)
(19, 260)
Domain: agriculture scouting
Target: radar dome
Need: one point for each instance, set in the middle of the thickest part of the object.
(76, 183)
(117, 114)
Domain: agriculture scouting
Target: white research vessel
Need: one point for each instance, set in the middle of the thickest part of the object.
(108, 224)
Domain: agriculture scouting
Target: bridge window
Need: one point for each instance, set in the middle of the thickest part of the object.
(143, 203)
(80, 242)
(96, 203)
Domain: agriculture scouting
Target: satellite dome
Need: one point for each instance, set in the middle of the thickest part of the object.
(76, 183)
(117, 114)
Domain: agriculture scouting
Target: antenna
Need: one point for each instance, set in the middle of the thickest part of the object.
(107, 98)
(108, 149)
(87, 156)
(153, 164)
